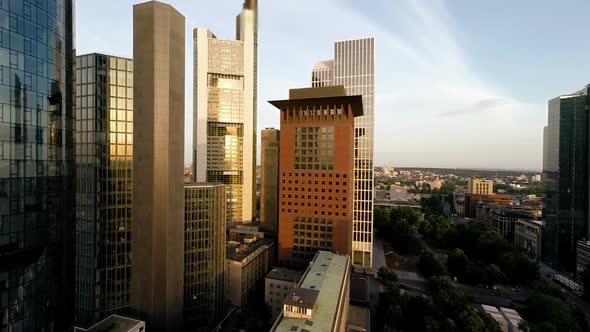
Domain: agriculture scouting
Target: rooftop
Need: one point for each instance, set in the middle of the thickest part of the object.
(302, 297)
(238, 251)
(115, 323)
(326, 274)
(281, 273)
(331, 95)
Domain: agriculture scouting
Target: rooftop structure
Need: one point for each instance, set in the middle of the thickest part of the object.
(508, 319)
(320, 300)
(280, 273)
(116, 323)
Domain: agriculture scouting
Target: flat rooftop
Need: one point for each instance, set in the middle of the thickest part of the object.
(116, 323)
(239, 251)
(326, 274)
(281, 273)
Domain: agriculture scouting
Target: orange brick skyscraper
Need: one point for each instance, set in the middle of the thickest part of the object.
(316, 172)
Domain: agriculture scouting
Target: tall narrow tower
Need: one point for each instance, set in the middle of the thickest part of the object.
(224, 138)
(158, 174)
(354, 67)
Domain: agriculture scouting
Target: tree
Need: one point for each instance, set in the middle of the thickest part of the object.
(387, 275)
(457, 263)
(543, 312)
(429, 266)
(435, 228)
(518, 269)
(403, 214)
(381, 217)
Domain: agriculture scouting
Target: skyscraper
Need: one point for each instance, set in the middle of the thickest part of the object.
(566, 178)
(354, 67)
(316, 172)
(269, 177)
(204, 256)
(104, 161)
(224, 140)
(158, 175)
(37, 165)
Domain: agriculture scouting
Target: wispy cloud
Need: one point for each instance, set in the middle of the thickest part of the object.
(477, 107)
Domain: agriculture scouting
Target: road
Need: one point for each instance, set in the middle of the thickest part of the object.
(547, 274)
(378, 254)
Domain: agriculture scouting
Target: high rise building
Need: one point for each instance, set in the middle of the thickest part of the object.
(158, 176)
(566, 178)
(315, 173)
(104, 161)
(224, 140)
(204, 256)
(480, 187)
(37, 165)
(269, 177)
(353, 67)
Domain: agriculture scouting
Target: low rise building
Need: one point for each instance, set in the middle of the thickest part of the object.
(459, 203)
(582, 257)
(389, 205)
(279, 283)
(248, 260)
(472, 201)
(320, 302)
(501, 218)
(115, 323)
(508, 319)
(396, 191)
(528, 237)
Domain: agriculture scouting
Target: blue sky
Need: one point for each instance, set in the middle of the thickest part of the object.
(459, 83)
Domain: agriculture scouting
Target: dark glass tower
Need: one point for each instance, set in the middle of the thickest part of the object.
(566, 178)
(37, 170)
(104, 157)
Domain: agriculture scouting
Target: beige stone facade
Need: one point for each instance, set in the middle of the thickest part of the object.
(158, 175)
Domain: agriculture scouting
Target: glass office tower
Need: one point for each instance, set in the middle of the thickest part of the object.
(566, 178)
(204, 256)
(224, 138)
(353, 67)
(104, 158)
(37, 170)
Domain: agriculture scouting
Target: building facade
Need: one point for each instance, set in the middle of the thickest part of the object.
(278, 284)
(315, 173)
(320, 302)
(501, 218)
(204, 256)
(224, 139)
(269, 177)
(248, 260)
(528, 237)
(582, 258)
(566, 178)
(104, 161)
(459, 203)
(37, 165)
(158, 175)
(480, 187)
(353, 67)
(473, 201)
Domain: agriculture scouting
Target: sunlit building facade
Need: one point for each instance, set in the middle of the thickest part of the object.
(353, 67)
(104, 161)
(566, 178)
(315, 173)
(37, 165)
(157, 268)
(224, 140)
(204, 255)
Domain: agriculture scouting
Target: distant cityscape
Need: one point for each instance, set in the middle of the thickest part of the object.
(104, 228)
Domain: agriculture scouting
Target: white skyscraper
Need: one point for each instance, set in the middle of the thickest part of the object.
(224, 139)
(354, 67)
